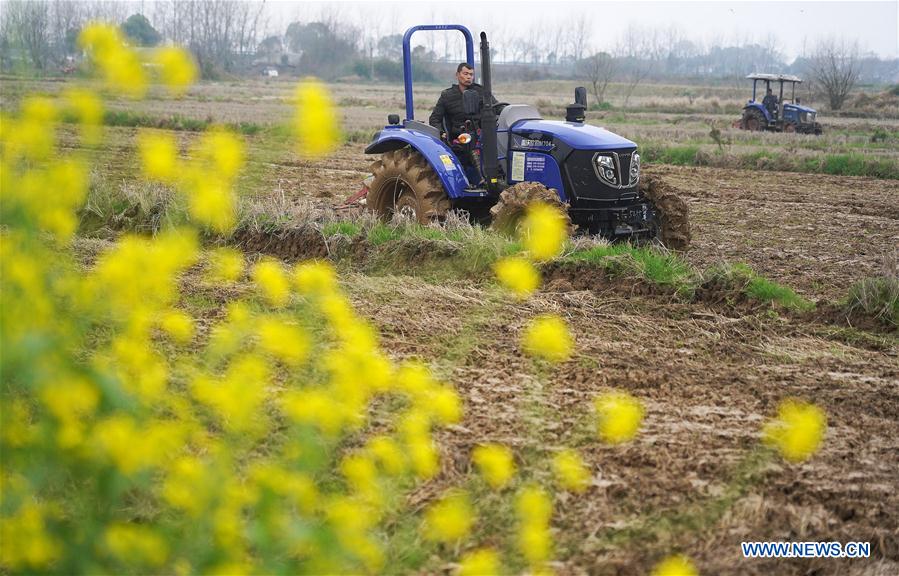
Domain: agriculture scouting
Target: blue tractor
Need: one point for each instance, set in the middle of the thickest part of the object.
(772, 114)
(503, 161)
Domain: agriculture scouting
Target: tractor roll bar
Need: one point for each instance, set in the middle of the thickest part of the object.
(407, 57)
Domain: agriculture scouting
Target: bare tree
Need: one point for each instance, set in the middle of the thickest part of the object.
(598, 69)
(835, 67)
(579, 37)
(26, 24)
(637, 51)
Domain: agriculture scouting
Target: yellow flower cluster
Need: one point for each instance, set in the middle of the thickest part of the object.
(177, 69)
(495, 463)
(315, 121)
(570, 471)
(678, 565)
(798, 430)
(206, 181)
(233, 427)
(618, 416)
(449, 519)
(518, 275)
(483, 562)
(544, 231)
(534, 539)
(547, 337)
(119, 66)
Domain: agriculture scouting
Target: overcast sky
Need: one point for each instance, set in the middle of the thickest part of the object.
(873, 24)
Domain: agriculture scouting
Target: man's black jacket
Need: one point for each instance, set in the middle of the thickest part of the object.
(449, 105)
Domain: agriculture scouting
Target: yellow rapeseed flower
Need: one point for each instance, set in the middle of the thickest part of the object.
(315, 121)
(619, 416)
(236, 398)
(211, 203)
(482, 562)
(388, 454)
(159, 155)
(315, 278)
(570, 471)
(518, 275)
(533, 505)
(423, 457)
(678, 565)
(119, 64)
(272, 282)
(449, 519)
(221, 152)
(225, 265)
(284, 341)
(177, 68)
(88, 109)
(179, 325)
(131, 543)
(495, 463)
(544, 231)
(547, 337)
(798, 430)
(534, 510)
(27, 543)
(316, 407)
(443, 404)
(188, 486)
(360, 473)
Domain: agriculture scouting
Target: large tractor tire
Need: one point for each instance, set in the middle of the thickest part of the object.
(671, 210)
(753, 120)
(510, 210)
(403, 183)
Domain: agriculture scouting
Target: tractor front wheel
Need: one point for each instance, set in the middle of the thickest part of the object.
(510, 210)
(753, 120)
(404, 184)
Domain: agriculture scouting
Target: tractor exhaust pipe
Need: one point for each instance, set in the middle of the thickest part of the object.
(488, 121)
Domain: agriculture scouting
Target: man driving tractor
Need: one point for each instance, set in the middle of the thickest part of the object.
(449, 106)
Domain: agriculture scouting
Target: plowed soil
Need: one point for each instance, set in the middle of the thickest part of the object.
(695, 480)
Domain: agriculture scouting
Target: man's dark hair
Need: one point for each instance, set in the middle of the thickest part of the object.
(464, 65)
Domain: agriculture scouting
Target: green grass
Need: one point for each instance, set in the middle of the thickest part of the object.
(651, 265)
(741, 278)
(766, 290)
(843, 164)
(382, 233)
(681, 155)
(350, 229)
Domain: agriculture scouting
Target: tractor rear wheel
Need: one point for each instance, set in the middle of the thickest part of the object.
(404, 183)
(510, 210)
(753, 120)
(671, 210)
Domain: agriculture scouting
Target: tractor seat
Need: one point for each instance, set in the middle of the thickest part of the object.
(516, 112)
(507, 118)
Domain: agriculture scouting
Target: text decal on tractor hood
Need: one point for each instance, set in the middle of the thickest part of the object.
(533, 142)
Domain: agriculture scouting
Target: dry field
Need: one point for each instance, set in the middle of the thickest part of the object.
(709, 372)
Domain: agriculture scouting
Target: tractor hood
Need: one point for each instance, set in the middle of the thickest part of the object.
(800, 107)
(576, 135)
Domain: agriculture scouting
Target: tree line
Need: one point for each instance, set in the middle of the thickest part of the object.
(239, 36)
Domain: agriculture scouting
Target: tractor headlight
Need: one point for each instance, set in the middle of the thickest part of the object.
(635, 168)
(605, 162)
